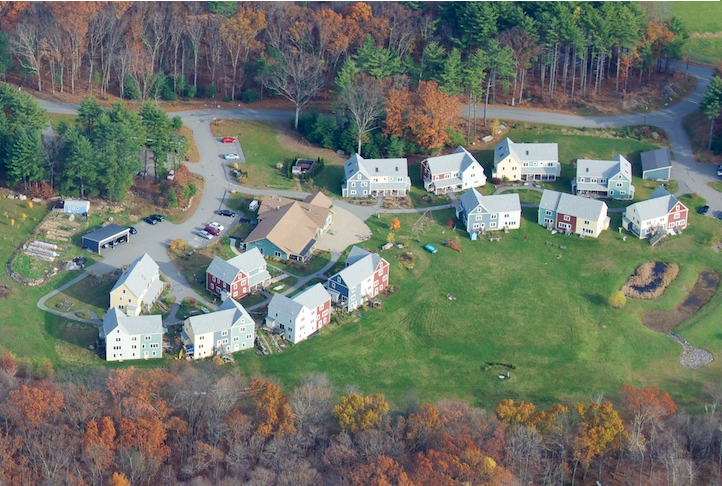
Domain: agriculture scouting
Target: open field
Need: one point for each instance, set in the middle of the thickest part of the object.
(703, 20)
(520, 302)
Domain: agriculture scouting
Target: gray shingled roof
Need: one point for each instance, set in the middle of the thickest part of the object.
(525, 152)
(360, 270)
(580, 207)
(228, 313)
(603, 168)
(138, 275)
(550, 200)
(659, 204)
(376, 167)
(356, 254)
(656, 159)
(313, 296)
(284, 305)
(499, 203)
(246, 262)
(459, 160)
(115, 318)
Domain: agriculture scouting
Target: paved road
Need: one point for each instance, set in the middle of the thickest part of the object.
(154, 240)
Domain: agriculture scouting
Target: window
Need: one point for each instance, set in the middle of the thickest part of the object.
(134, 346)
(620, 184)
(493, 216)
(248, 336)
(549, 213)
(147, 338)
(277, 254)
(566, 217)
(235, 339)
(117, 347)
(153, 353)
(492, 225)
(353, 192)
(622, 192)
(353, 184)
(154, 345)
(225, 341)
(676, 215)
(134, 338)
(117, 340)
(123, 290)
(224, 333)
(586, 221)
(358, 176)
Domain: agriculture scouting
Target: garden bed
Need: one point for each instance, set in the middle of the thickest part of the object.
(650, 280)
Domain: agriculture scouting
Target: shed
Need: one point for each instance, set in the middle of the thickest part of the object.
(107, 235)
(656, 165)
(76, 206)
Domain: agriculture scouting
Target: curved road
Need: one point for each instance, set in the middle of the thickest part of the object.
(692, 176)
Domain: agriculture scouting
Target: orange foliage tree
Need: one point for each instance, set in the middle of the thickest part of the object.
(423, 117)
(600, 431)
(381, 471)
(646, 405)
(37, 405)
(273, 413)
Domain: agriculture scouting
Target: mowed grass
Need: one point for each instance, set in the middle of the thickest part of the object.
(519, 301)
(699, 17)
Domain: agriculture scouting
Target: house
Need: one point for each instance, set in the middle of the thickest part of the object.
(138, 287)
(453, 172)
(227, 330)
(656, 165)
(105, 237)
(481, 213)
(375, 177)
(238, 276)
(662, 214)
(526, 161)
(131, 337)
(288, 229)
(611, 179)
(365, 276)
(573, 214)
(302, 315)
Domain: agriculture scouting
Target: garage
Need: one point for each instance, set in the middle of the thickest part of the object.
(106, 238)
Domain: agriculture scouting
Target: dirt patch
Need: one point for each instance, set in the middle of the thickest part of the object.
(4, 291)
(703, 290)
(650, 280)
(397, 203)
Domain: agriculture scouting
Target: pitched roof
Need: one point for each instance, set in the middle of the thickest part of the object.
(115, 318)
(360, 270)
(604, 168)
(229, 313)
(459, 160)
(289, 224)
(313, 297)
(499, 203)
(524, 152)
(659, 204)
(375, 167)
(656, 159)
(138, 275)
(356, 254)
(284, 305)
(246, 262)
(580, 207)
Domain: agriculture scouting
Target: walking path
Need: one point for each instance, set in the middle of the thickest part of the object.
(691, 176)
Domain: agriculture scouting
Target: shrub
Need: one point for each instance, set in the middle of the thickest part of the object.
(617, 300)
(177, 244)
(250, 95)
(212, 91)
(130, 90)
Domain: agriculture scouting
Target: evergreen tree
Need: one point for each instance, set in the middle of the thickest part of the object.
(24, 162)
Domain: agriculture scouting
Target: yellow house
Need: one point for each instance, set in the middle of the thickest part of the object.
(138, 287)
(526, 161)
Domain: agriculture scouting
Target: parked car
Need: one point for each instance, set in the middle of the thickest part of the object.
(227, 212)
(159, 217)
(133, 231)
(212, 230)
(151, 220)
(430, 248)
(216, 225)
(719, 170)
(703, 210)
(228, 140)
(232, 157)
(205, 234)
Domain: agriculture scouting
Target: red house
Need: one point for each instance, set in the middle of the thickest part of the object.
(238, 276)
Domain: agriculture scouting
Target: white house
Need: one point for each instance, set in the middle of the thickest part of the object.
(302, 315)
(227, 330)
(127, 338)
(452, 172)
(661, 214)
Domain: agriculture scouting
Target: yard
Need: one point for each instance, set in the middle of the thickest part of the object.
(703, 22)
(518, 301)
(91, 293)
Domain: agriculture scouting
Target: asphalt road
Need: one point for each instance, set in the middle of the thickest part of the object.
(154, 240)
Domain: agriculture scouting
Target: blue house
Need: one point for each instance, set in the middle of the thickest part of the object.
(489, 213)
(375, 177)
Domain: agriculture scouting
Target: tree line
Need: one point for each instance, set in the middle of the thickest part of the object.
(203, 424)
(99, 154)
(478, 52)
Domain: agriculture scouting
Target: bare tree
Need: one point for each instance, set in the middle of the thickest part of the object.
(195, 27)
(26, 46)
(365, 99)
(296, 77)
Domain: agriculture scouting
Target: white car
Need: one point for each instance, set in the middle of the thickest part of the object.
(205, 234)
(719, 170)
(216, 225)
(231, 157)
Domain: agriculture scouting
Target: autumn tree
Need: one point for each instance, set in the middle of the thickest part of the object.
(617, 299)
(273, 413)
(239, 36)
(395, 224)
(512, 414)
(356, 412)
(600, 431)
(365, 99)
(381, 471)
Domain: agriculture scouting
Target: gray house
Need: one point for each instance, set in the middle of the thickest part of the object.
(656, 165)
(611, 179)
(227, 330)
(375, 177)
(489, 213)
(126, 338)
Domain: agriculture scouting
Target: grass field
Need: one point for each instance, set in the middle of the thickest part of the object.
(520, 302)
(701, 18)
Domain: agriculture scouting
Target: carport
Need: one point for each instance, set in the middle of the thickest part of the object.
(107, 235)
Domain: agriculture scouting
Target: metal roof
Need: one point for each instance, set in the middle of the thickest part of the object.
(376, 167)
(313, 297)
(115, 318)
(459, 160)
(580, 207)
(360, 270)
(659, 204)
(604, 168)
(524, 152)
(229, 314)
(246, 262)
(108, 232)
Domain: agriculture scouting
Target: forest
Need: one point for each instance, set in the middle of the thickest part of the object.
(403, 67)
(203, 424)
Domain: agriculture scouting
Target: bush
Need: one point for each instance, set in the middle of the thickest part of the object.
(130, 91)
(177, 244)
(170, 300)
(212, 91)
(250, 95)
(617, 300)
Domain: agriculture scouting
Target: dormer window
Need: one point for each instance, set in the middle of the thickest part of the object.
(377, 169)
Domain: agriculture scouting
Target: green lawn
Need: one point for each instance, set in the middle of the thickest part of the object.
(699, 17)
(519, 301)
(308, 284)
(89, 294)
(315, 264)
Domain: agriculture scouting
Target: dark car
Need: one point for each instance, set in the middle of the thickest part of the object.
(158, 217)
(151, 220)
(227, 212)
(704, 210)
(132, 230)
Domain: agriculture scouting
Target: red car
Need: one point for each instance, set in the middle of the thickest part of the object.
(212, 230)
(228, 140)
